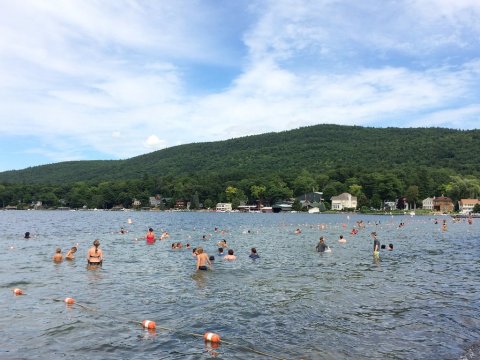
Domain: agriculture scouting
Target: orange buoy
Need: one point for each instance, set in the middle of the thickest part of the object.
(17, 291)
(69, 301)
(211, 337)
(148, 324)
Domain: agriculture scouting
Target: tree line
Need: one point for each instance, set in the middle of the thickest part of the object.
(371, 189)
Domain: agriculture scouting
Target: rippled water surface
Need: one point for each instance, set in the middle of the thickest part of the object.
(420, 301)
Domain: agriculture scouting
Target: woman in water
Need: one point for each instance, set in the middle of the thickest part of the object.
(95, 254)
(150, 236)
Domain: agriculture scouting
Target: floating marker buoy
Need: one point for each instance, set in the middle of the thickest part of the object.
(147, 324)
(17, 291)
(69, 301)
(211, 337)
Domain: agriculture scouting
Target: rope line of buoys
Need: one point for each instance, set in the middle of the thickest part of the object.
(209, 337)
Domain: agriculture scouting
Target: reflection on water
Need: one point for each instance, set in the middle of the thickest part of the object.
(420, 301)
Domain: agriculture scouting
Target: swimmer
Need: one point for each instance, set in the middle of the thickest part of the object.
(390, 247)
(253, 254)
(444, 225)
(71, 253)
(95, 254)
(123, 231)
(203, 260)
(376, 244)
(220, 252)
(342, 239)
(58, 257)
(321, 246)
(27, 235)
(222, 243)
(150, 236)
(298, 231)
(230, 256)
(164, 235)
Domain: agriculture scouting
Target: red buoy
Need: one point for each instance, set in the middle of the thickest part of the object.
(69, 301)
(211, 337)
(17, 291)
(148, 324)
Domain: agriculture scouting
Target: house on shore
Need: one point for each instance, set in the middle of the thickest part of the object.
(465, 206)
(443, 204)
(223, 207)
(344, 201)
(427, 204)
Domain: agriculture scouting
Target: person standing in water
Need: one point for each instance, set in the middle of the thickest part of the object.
(321, 246)
(376, 244)
(150, 236)
(58, 257)
(202, 259)
(95, 254)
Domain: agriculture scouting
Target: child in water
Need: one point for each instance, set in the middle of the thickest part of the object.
(71, 253)
(58, 257)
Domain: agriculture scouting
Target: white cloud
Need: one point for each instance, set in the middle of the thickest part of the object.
(100, 72)
(153, 142)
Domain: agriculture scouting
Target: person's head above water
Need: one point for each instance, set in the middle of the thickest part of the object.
(27, 235)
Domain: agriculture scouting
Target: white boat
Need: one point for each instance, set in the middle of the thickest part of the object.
(314, 210)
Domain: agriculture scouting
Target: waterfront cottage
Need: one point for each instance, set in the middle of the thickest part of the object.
(344, 201)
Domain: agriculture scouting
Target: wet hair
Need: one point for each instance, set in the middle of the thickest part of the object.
(211, 258)
(220, 250)
(341, 236)
(58, 250)
(199, 250)
(194, 250)
(230, 252)
(74, 249)
(150, 229)
(254, 250)
(373, 233)
(382, 246)
(27, 235)
(390, 246)
(96, 243)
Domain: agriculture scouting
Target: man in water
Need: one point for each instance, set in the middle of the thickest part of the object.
(376, 244)
(321, 246)
(202, 260)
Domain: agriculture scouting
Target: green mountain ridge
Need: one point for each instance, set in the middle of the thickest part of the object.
(318, 149)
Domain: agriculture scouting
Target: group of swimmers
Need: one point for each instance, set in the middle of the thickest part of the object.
(204, 262)
(94, 254)
(323, 247)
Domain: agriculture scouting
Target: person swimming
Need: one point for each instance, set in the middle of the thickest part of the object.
(253, 254)
(27, 235)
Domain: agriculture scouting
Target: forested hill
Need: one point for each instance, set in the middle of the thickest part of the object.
(317, 149)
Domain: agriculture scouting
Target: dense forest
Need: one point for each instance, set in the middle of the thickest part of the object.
(374, 164)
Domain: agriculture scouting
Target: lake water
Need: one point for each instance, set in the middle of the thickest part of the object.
(420, 301)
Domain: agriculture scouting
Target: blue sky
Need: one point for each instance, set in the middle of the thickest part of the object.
(88, 80)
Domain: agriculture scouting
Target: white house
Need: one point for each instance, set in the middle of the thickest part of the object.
(344, 201)
(222, 207)
(465, 206)
(427, 204)
(155, 201)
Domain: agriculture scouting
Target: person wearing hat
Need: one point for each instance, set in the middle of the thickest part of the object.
(95, 254)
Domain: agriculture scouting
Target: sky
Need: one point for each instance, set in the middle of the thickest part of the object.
(113, 79)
